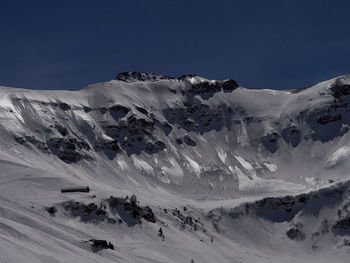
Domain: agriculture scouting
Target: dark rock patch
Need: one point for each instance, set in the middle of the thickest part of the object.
(207, 89)
(270, 141)
(154, 147)
(137, 76)
(92, 212)
(70, 156)
(118, 111)
(295, 234)
(161, 234)
(172, 91)
(229, 85)
(342, 227)
(291, 135)
(179, 141)
(346, 242)
(62, 130)
(87, 109)
(97, 245)
(68, 149)
(328, 118)
(103, 110)
(142, 110)
(185, 76)
(64, 106)
(196, 118)
(282, 209)
(166, 127)
(340, 90)
(329, 122)
(130, 211)
(187, 220)
(51, 210)
(110, 148)
(186, 139)
(29, 141)
(135, 135)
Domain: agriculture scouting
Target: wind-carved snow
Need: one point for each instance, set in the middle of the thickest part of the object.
(222, 155)
(242, 136)
(123, 164)
(106, 137)
(339, 155)
(142, 165)
(310, 180)
(252, 183)
(7, 105)
(194, 166)
(174, 173)
(245, 183)
(272, 167)
(244, 163)
(83, 116)
(5, 101)
(247, 166)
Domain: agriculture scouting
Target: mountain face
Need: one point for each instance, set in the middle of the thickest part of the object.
(179, 169)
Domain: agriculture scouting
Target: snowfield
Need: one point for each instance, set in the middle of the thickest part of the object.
(179, 170)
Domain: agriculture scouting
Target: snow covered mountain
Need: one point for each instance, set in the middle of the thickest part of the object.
(221, 173)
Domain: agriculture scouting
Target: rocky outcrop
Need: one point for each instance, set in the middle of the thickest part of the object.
(213, 87)
(281, 209)
(186, 139)
(68, 150)
(192, 105)
(32, 141)
(118, 111)
(328, 118)
(137, 76)
(292, 135)
(340, 90)
(130, 211)
(270, 141)
(342, 227)
(88, 213)
(196, 118)
(135, 135)
(295, 233)
(99, 244)
(110, 148)
(112, 210)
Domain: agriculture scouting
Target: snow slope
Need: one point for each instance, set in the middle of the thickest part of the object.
(228, 173)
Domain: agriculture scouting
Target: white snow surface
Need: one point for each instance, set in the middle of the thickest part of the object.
(256, 176)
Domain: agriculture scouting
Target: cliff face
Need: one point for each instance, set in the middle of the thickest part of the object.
(189, 125)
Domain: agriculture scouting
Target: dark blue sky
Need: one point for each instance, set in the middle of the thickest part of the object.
(280, 44)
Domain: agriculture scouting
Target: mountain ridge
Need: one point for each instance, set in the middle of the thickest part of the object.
(193, 151)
